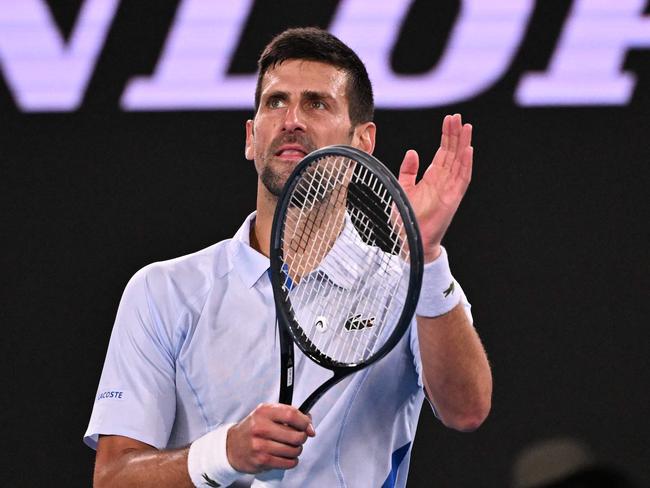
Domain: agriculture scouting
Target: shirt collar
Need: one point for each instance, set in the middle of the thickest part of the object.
(341, 271)
(250, 264)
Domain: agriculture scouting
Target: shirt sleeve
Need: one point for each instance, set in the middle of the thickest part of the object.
(136, 396)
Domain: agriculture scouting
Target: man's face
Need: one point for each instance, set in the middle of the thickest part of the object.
(303, 107)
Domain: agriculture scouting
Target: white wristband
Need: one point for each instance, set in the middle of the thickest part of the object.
(440, 292)
(207, 461)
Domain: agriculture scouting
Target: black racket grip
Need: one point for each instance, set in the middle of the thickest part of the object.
(286, 366)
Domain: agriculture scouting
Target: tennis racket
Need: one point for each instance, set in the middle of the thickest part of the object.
(346, 264)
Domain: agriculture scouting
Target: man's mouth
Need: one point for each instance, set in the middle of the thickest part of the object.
(291, 152)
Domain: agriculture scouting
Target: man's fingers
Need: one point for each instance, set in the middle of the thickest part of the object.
(292, 417)
(284, 423)
(466, 164)
(444, 139)
(455, 128)
(451, 131)
(460, 158)
(267, 455)
(281, 433)
(465, 137)
(279, 449)
(271, 437)
(408, 170)
(264, 428)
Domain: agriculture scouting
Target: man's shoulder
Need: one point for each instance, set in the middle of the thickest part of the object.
(189, 265)
(185, 277)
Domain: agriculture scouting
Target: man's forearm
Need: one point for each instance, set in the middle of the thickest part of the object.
(145, 468)
(456, 371)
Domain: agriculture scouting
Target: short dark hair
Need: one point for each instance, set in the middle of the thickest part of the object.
(314, 44)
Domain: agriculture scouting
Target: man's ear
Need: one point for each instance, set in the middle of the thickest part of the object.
(364, 137)
(249, 149)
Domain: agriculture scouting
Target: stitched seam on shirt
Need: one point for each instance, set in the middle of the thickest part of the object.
(158, 329)
(180, 365)
(196, 397)
(185, 330)
(337, 450)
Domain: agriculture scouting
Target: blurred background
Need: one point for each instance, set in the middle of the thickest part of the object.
(122, 134)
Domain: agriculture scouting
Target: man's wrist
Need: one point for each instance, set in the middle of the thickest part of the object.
(430, 255)
(440, 292)
(207, 460)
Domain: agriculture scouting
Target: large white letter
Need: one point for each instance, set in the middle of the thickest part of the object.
(480, 48)
(586, 66)
(43, 73)
(192, 71)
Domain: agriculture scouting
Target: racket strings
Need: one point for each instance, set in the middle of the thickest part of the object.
(376, 311)
(298, 243)
(360, 256)
(346, 259)
(365, 346)
(374, 235)
(379, 288)
(318, 192)
(304, 223)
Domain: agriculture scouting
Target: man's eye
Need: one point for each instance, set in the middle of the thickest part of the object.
(317, 104)
(275, 103)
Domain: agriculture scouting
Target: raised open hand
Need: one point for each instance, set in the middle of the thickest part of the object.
(436, 197)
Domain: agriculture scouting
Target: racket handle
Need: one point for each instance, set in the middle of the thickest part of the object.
(286, 366)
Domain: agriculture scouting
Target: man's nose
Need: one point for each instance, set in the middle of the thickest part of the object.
(294, 118)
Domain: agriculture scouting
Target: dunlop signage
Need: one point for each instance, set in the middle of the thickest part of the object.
(45, 72)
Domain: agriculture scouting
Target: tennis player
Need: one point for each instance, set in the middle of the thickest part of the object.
(188, 394)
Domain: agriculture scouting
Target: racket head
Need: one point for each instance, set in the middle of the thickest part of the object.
(336, 180)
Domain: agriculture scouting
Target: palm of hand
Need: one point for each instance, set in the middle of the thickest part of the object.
(436, 197)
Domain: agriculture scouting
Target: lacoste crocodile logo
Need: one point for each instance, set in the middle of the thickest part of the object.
(449, 290)
(210, 482)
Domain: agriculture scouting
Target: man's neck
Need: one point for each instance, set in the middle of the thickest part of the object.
(261, 246)
(260, 232)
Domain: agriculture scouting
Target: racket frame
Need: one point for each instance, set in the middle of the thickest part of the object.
(287, 322)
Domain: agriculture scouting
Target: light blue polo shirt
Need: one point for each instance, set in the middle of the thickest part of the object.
(195, 345)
